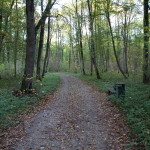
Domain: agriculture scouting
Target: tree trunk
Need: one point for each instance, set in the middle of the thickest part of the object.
(82, 55)
(16, 42)
(88, 42)
(93, 56)
(125, 42)
(71, 45)
(1, 22)
(2, 36)
(146, 70)
(113, 41)
(44, 15)
(79, 36)
(47, 62)
(30, 47)
(38, 71)
(47, 48)
(107, 54)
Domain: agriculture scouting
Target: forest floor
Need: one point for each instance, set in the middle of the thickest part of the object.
(76, 117)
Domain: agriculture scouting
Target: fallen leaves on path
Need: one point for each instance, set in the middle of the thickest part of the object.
(77, 117)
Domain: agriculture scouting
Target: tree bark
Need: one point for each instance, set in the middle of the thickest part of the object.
(71, 45)
(125, 42)
(93, 57)
(44, 15)
(88, 42)
(1, 22)
(146, 70)
(2, 36)
(113, 41)
(30, 47)
(47, 48)
(16, 42)
(107, 54)
(38, 71)
(79, 35)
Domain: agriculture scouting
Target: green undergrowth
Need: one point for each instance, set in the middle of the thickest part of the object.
(11, 106)
(136, 105)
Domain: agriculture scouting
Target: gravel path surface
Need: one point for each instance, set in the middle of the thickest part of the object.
(79, 118)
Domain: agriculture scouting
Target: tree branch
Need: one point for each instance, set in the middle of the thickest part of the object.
(45, 13)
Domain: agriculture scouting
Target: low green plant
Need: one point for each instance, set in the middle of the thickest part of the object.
(136, 105)
(11, 106)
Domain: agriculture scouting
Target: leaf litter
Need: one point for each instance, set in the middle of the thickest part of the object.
(76, 117)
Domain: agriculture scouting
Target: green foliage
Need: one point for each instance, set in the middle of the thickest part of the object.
(11, 106)
(136, 105)
(49, 84)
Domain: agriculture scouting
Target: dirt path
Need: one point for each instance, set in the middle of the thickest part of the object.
(79, 118)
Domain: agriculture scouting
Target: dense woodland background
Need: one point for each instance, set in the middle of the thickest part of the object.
(91, 37)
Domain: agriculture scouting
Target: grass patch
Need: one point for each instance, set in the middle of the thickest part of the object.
(136, 105)
(11, 106)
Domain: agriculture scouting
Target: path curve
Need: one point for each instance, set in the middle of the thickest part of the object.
(79, 118)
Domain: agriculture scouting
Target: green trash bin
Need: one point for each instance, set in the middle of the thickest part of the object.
(120, 89)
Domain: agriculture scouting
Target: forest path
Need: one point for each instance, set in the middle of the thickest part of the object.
(79, 118)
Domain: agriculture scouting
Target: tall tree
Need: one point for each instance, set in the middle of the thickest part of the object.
(30, 47)
(47, 47)
(41, 42)
(45, 14)
(107, 11)
(1, 23)
(92, 47)
(16, 41)
(146, 71)
(79, 34)
(41, 24)
(2, 33)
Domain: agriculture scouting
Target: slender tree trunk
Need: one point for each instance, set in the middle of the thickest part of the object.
(81, 43)
(61, 53)
(82, 57)
(44, 15)
(79, 35)
(113, 41)
(71, 44)
(47, 62)
(38, 72)
(88, 42)
(146, 70)
(92, 41)
(1, 22)
(69, 62)
(1, 29)
(1, 16)
(47, 48)
(9, 45)
(114, 48)
(41, 42)
(99, 46)
(107, 53)
(30, 47)
(2, 36)
(16, 42)
(49, 51)
(125, 37)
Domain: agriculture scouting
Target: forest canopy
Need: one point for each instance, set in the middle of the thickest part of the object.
(91, 37)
